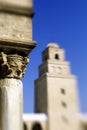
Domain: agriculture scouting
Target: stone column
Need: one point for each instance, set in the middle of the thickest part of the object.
(15, 45)
(10, 104)
(12, 67)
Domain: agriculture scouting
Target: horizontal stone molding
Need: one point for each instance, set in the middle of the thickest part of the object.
(21, 47)
(17, 9)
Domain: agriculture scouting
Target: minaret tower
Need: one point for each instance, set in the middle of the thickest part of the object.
(55, 90)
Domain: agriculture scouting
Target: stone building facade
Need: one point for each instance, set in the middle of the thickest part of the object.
(56, 95)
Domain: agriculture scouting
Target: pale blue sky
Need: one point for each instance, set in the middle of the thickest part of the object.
(64, 22)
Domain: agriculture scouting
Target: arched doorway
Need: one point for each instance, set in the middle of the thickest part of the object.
(36, 126)
(25, 127)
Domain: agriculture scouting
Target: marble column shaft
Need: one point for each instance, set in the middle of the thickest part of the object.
(12, 68)
(10, 104)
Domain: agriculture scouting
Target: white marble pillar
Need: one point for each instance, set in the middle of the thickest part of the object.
(12, 68)
(10, 104)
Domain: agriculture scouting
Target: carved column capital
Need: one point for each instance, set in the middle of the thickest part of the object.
(12, 65)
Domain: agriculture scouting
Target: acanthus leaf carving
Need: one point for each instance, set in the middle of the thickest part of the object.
(12, 65)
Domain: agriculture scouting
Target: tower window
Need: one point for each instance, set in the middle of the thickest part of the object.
(64, 104)
(56, 56)
(62, 91)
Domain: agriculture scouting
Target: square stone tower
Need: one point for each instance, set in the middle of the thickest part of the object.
(56, 90)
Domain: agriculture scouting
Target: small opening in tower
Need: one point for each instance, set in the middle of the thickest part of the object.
(64, 104)
(56, 56)
(62, 91)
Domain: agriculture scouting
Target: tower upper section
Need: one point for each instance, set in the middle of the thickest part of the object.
(53, 52)
(54, 62)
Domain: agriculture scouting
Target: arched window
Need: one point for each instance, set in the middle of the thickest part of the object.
(36, 126)
(56, 56)
(25, 127)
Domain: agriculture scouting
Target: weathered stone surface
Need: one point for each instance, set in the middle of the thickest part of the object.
(17, 28)
(12, 65)
(10, 104)
(15, 45)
